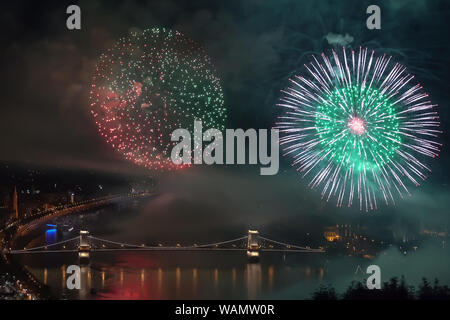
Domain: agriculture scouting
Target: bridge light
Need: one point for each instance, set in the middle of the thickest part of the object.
(159, 244)
(178, 245)
(195, 245)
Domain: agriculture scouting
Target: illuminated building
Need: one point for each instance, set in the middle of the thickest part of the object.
(331, 234)
(340, 232)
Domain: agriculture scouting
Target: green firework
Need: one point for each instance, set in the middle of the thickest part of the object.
(358, 127)
(341, 144)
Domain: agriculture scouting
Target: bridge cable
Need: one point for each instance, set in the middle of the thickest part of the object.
(140, 246)
(46, 246)
(223, 242)
(283, 244)
(118, 243)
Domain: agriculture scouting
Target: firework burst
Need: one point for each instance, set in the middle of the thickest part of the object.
(148, 85)
(358, 127)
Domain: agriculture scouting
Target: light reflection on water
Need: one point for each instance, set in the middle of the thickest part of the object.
(178, 276)
(51, 236)
(205, 275)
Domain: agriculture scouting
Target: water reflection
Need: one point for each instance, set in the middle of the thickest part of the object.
(45, 276)
(308, 272)
(160, 278)
(85, 279)
(51, 236)
(253, 277)
(103, 279)
(63, 277)
(178, 280)
(270, 272)
(152, 276)
(194, 280)
(216, 278)
(89, 278)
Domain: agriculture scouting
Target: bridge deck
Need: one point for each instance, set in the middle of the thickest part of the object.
(163, 249)
(237, 244)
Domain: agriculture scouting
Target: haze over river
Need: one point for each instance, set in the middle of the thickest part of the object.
(201, 275)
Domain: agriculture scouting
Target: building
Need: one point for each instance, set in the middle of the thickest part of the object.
(341, 232)
(331, 234)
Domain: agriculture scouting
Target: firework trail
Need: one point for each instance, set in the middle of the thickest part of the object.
(357, 126)
(148, 85)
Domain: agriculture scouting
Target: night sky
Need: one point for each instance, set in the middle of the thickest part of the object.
(255, 47)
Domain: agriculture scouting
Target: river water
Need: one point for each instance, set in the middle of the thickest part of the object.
(195, 275)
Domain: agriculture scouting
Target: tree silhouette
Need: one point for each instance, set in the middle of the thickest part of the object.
(394, 289)
(325, 293)
(437, 292)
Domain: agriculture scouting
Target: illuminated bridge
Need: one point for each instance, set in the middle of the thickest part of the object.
(252, 243)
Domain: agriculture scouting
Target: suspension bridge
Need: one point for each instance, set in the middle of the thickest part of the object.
(252, 243)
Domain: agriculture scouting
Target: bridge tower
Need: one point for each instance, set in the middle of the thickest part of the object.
(84, 248)
(253, 246)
